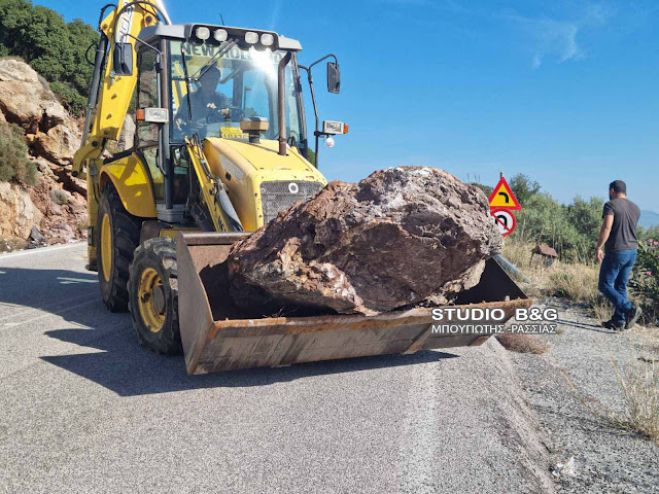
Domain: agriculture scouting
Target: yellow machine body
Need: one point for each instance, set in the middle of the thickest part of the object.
(107, 121)
(238, 180)
(245, 167)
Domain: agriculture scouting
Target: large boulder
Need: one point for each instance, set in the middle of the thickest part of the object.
(402, 237)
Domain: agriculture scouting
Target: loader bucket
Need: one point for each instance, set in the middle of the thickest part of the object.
(217, 336)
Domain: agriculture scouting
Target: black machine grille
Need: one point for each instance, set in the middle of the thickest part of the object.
(278, 196)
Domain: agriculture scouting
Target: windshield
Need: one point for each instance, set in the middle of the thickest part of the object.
(227, 83)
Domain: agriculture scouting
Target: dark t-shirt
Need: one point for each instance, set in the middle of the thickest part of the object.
(625, 220)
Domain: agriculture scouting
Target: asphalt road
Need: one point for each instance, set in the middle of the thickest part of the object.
(83, 408)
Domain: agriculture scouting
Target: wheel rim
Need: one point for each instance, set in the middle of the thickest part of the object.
(106, 247)
(151, 300)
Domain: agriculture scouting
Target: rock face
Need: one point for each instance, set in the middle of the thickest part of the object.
(401, 237)
(64, 213)
(18, 213)
(26, 100)
(58, 145)
(52, 136)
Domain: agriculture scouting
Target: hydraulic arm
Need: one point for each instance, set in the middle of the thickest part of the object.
(111, 91)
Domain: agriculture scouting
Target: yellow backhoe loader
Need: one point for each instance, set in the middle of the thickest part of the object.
(195, 135)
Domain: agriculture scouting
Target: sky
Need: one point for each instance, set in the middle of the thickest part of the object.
(566, 92)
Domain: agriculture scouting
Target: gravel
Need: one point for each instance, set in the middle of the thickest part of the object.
(588, 453)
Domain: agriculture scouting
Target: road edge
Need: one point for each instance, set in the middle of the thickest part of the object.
(50, 248)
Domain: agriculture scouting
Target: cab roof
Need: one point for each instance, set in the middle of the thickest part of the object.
(186, 31)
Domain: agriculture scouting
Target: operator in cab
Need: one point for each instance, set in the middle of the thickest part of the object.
(207, 105)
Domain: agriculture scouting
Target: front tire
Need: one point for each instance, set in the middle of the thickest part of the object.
(117, 237)
(153, 289)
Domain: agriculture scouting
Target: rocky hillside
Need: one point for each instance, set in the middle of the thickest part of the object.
(53, 210)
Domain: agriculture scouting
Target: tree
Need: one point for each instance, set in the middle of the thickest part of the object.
(586, 217)
(52, 47)
(524, 188)
(570, 229)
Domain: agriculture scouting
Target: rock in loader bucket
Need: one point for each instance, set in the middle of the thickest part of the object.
(218, 336)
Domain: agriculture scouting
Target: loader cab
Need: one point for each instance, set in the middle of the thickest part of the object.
(207, 82)
(227, 83)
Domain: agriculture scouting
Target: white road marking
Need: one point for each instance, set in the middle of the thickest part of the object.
(74, 281)
(420, 433)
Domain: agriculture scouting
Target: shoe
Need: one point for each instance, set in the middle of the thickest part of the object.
(632, 316)
(614, 325)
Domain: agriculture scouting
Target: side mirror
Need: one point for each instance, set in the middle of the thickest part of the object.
(333, 78)
(122, 59)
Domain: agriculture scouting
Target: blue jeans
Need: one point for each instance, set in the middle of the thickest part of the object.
(614, 275)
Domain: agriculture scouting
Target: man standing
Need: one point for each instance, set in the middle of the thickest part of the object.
(618, 238)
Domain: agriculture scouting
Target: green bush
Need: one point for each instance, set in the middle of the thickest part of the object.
(71, 99)
(645, 281)
(14, 165)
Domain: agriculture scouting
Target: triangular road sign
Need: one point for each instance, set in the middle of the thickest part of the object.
(502, 197)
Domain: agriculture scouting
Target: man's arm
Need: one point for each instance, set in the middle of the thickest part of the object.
(605, 231)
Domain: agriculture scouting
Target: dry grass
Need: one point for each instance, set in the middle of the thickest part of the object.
(577, 282)
(640, 388)
(602, 310)
(640, 392)
(573, 281)
(523, 343)
(518, 253)
(639, 384)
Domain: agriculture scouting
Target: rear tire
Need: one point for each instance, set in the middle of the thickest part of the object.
(153, 288)
(117, 237)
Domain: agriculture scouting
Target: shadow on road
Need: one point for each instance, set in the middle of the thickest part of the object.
(120, 364)
(583, 325)
(129, 370)
(45, 289)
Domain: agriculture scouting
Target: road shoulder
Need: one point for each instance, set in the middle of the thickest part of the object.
(572, 388)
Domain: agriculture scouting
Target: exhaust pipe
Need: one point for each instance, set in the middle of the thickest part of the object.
(163, 10)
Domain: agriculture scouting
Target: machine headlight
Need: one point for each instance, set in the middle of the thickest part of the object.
(202, 33)
(251, 38)
(267, 39)
(221, 35)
